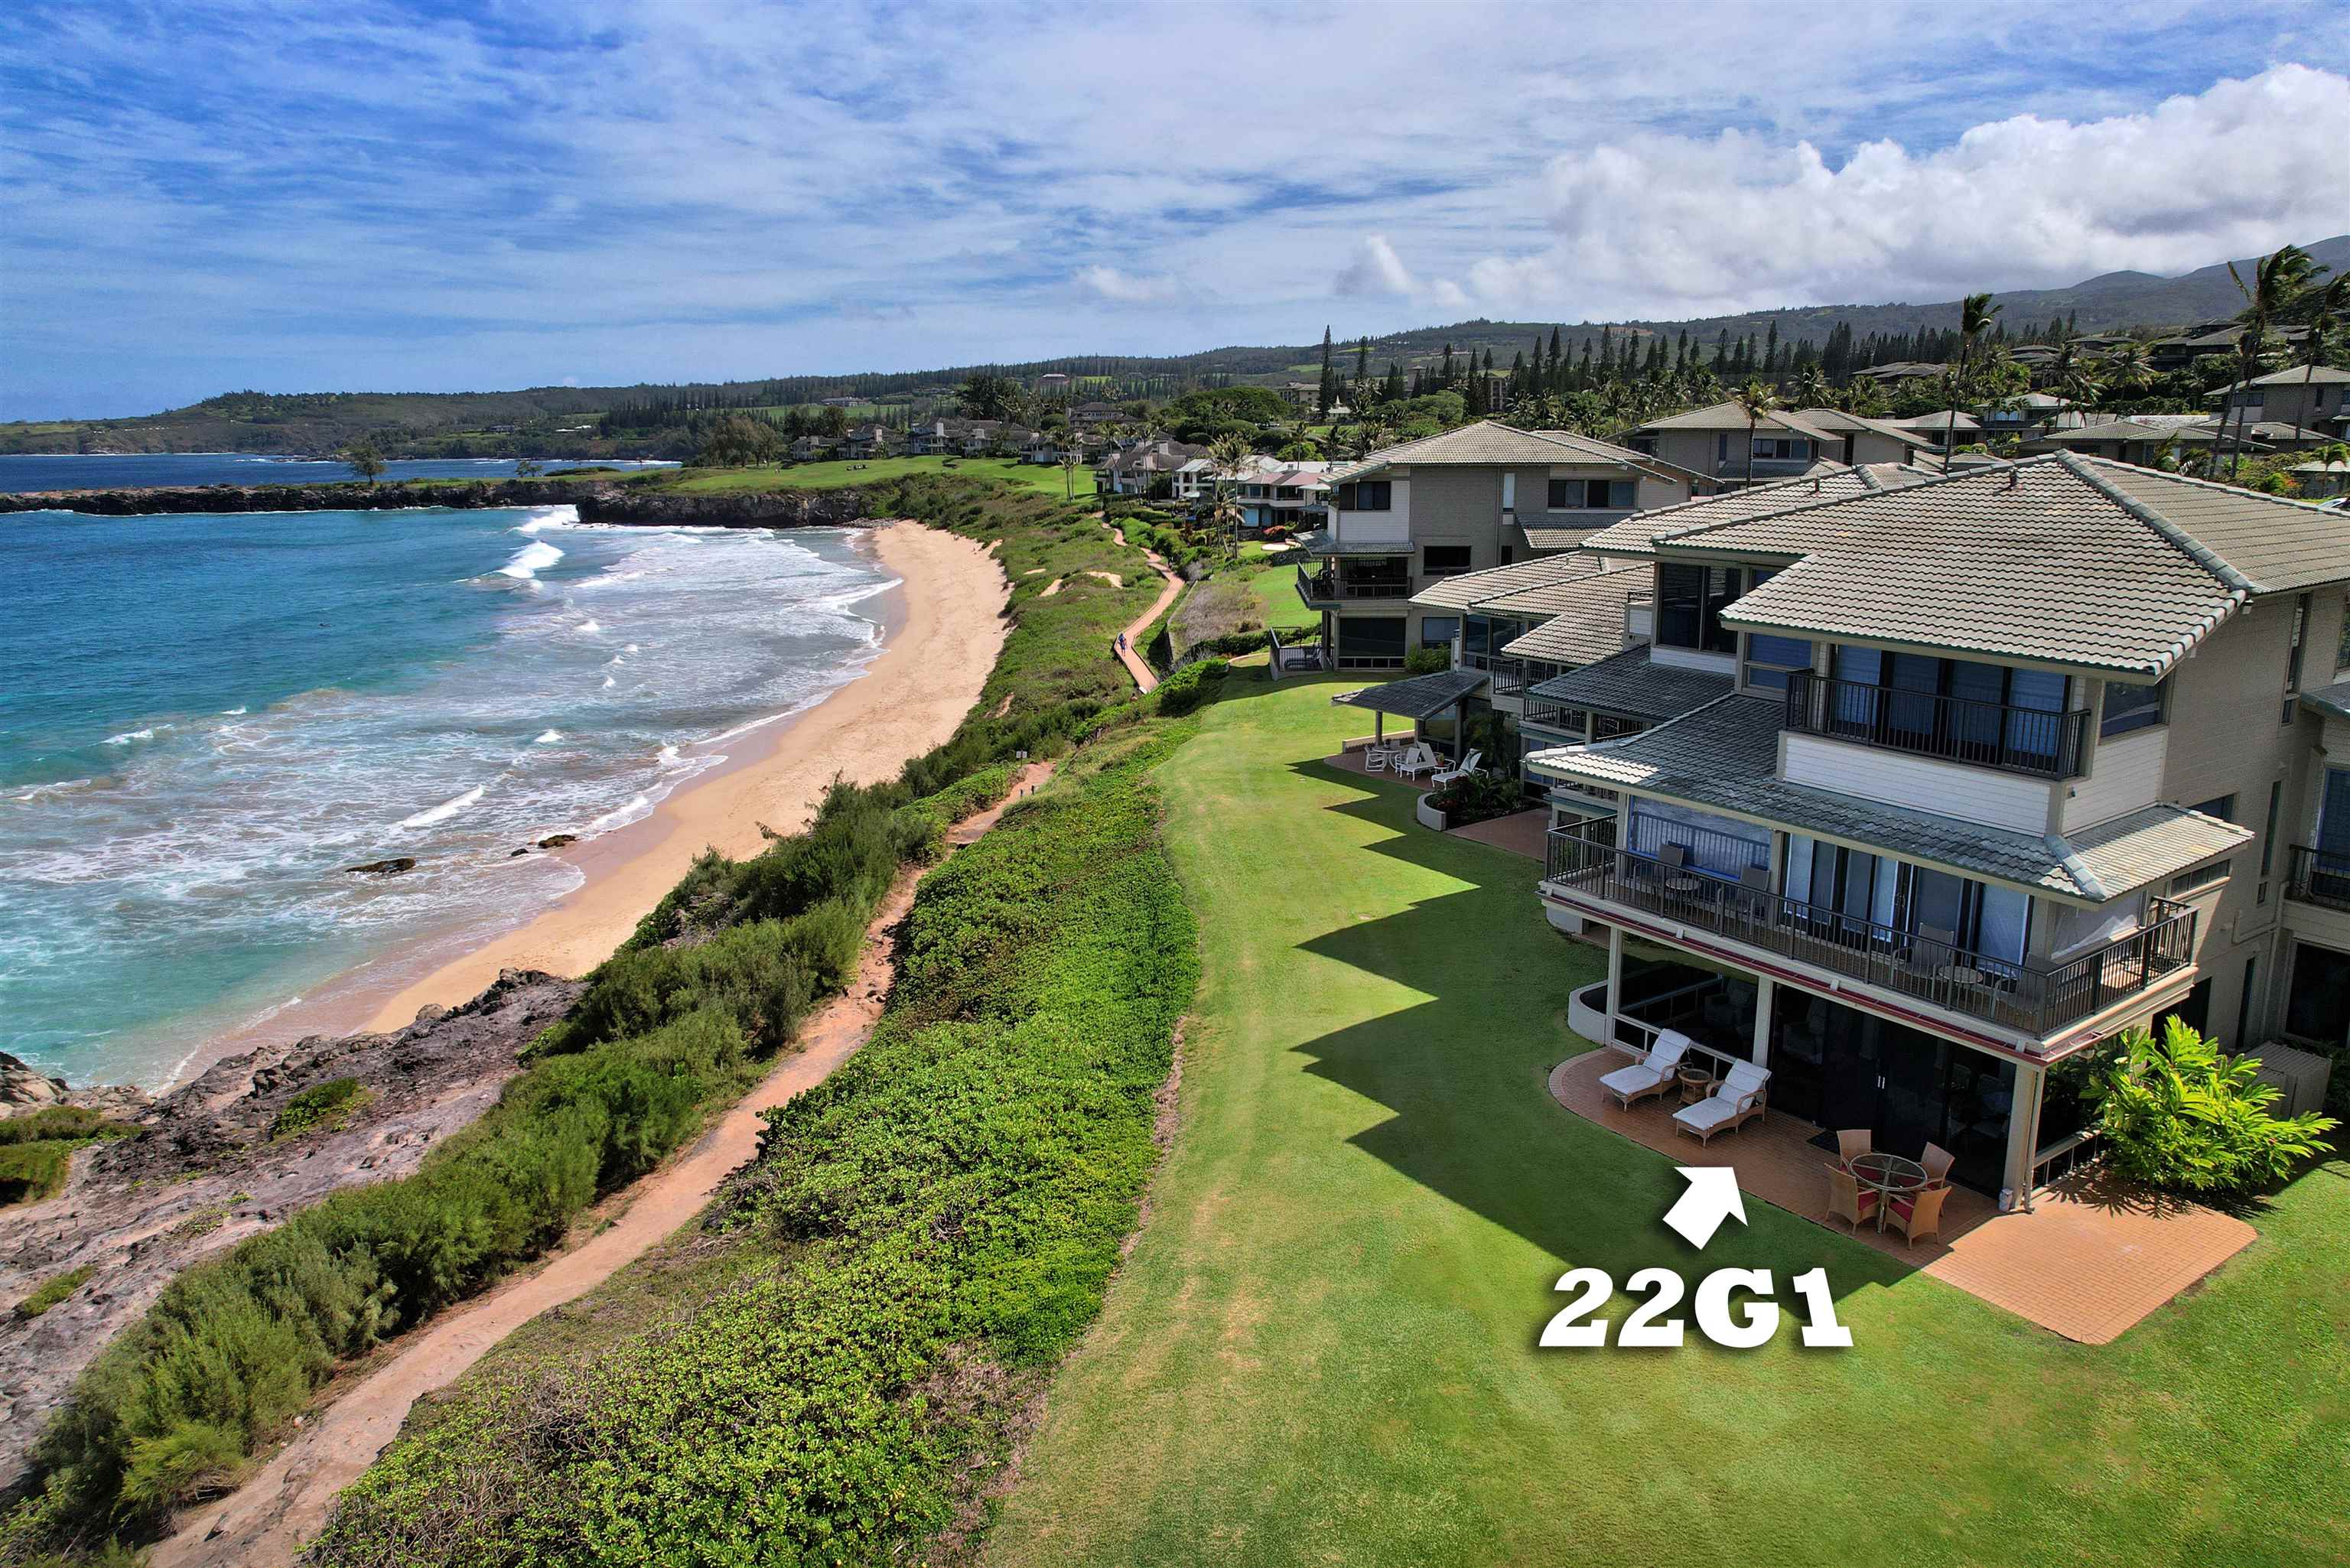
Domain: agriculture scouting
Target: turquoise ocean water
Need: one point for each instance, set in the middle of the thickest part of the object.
(204, 719)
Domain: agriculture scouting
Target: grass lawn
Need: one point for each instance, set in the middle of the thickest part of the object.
(1275, 588)
(838, 475)
(1321, 1349)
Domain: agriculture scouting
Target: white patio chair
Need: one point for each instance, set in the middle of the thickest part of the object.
(1652, 1075)
(1416, 761)
(1738, 1100)
(1467, 765)
(1376, 759)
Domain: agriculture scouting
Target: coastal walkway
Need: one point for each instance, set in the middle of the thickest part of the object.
(264, 1522)
(1146, 680)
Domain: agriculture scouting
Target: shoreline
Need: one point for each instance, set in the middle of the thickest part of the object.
(941, 624)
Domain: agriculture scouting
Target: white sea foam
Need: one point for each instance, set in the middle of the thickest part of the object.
(548, 738)
(587, 627)
(530, 560)
(446, 809)
(232, 712)
(635, 810)
(130, 735)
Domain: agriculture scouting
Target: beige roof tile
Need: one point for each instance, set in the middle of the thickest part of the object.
(1634, 534)
(1473, 587)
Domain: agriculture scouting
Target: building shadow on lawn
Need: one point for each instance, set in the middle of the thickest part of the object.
(1465, 1074)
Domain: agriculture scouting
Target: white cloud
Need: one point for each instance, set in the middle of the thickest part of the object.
(1375, 269)
(1130, 288)
(1669, 225)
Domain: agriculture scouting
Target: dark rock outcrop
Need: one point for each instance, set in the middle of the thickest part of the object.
(599, 500)
(392, 868)
(205, 1173)
(25, 1088)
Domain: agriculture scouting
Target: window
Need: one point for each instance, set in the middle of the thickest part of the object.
(2245, 1006)
(2221, 806)
(1443, 560)
(1366, 496)
(2203, 877)
(1571, 494)
(2268, 841)
(1439, 630)
(1784, 447)
(1690, 602)
(1770, 659)
(1367, 642)
(2129, 708)
(2292, 658)
(2342, 642)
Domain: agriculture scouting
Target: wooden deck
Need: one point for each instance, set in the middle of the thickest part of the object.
(2087, 1262)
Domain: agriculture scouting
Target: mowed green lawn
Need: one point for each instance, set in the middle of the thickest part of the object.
(1322, 1350)
(1045, 477)
(1275, 588)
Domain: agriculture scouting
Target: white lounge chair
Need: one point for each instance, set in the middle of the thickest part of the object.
(1467, 765)
(1652, 1074)
(1415, 762)
(1738, 1101)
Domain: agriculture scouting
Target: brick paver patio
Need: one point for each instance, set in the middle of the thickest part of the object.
(2087, 1260)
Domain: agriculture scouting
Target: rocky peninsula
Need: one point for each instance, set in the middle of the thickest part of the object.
(599, 500)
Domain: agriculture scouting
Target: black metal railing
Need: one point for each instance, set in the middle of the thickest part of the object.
(1509, 677)
(2035, 1000)
(1328, 585)
(1547, 713)
(2049, 746)
(2317, 877)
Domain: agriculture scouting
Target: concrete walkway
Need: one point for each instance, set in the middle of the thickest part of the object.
(2087, 1262)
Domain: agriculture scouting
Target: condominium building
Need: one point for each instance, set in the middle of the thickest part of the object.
(1485, 496)
(1722, 444)
(1920, 789)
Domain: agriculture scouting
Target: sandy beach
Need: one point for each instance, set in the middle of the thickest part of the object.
(911, 697)
(943, 625)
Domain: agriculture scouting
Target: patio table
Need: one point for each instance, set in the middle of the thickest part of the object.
(1889, 1176)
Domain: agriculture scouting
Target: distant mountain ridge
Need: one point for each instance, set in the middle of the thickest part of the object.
(484, 424)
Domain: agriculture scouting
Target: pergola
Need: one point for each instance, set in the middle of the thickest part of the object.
(1416, 696)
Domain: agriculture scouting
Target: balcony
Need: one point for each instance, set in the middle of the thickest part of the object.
(2318, 877)
(1329, 588)
(2030, 999)
(2030, 741)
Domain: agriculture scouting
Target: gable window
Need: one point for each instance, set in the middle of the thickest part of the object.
(2132, 707)
(1690, 602)
(1366, 496)
(1444, 560)
(1576, 495)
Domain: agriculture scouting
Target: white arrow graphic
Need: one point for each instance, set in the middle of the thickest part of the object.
(1712, 1196)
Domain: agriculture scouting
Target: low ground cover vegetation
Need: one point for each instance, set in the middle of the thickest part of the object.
(37, 1149)
(672, 1028)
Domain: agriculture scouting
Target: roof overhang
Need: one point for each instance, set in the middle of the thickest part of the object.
(1416, 696)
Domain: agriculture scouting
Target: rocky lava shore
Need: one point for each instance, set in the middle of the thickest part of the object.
(599, 500)
(204, 1172)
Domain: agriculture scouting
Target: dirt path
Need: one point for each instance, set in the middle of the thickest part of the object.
(286, 1504)
(1145, 678)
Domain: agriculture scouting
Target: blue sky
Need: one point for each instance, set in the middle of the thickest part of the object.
(223, 194)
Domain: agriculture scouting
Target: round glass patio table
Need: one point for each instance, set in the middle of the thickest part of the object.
(1889, 1176)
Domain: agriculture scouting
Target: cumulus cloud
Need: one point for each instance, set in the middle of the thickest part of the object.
(1130, 288)
(1374, 269)
(1671, 224)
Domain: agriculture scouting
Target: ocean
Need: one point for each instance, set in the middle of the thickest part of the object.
(21, 471)
(205, 720)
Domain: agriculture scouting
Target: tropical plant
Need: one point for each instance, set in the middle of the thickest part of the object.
(1758, 398)
(1812, 390)
(2127, 366)
(364, 459)
(1071, 461)
(2181, 1114)
(2328, 305)
(2278, 281)
(1975, 315)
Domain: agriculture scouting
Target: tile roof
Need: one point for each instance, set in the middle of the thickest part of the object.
(1838, 420)
(1632, 685)
(2063, 560)
(1635, 535)
(1486, 442)
(1416, 696)
(1724, 757)
(1587, 624)
(2292, 376)
(2334, 699)
(1730, 416)
(1927, 424)
(1475, 587)
(1539, 537)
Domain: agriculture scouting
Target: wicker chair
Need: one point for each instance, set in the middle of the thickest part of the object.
(1847, 1201)
(1851, 1142)
(1919, 1213)
(1938, 1161)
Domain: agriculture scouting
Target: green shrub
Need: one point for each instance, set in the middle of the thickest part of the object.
(53, 1290)
(1184, 690)
(58, 1122)
(1427, 661)
(2183, 1115)
(949, 1204)
(325, 1106)
(1478, 797)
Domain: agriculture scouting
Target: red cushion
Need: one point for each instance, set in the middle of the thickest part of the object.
(1867, 1201)
(1905, 1207)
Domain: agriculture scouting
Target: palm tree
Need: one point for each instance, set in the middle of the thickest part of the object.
(1812, 388)
(2278, 279)
(2126, 366)
(1230, 453)
(1070, 462)
(1758, 398)
(1975, 315)
(2329, 308)
(2080, 387)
